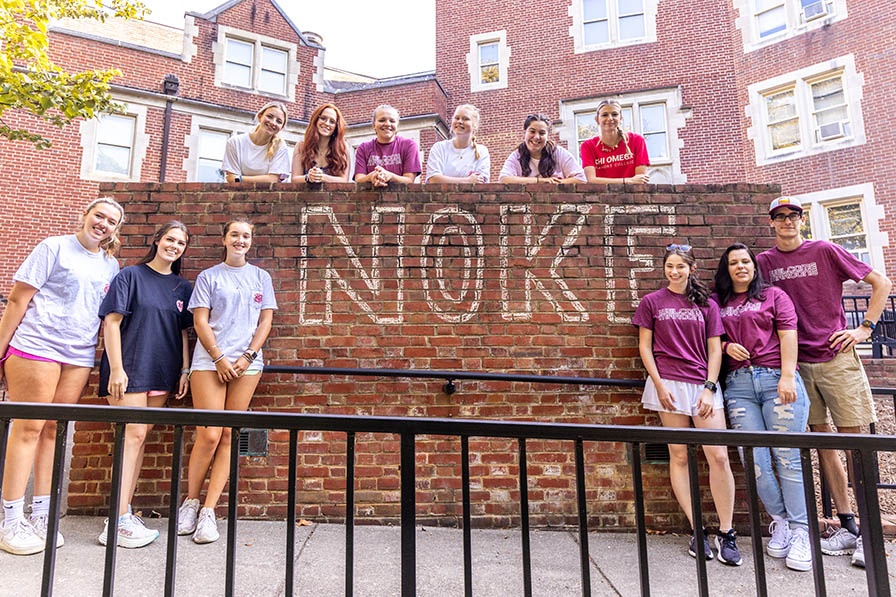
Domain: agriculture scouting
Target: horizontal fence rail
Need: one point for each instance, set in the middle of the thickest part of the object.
(883, 339)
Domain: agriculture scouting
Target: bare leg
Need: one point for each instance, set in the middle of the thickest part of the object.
(721, 480)
(209, 394)
(678, 464)
(127, 494)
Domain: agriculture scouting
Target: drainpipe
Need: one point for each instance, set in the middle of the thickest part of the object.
(169, 87)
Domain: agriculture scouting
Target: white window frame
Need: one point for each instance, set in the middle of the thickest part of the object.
(479, 39)
(664, 171)
(576, 11)
(259, 42)
(795, 23)
(801, 81)
(818, 203)
(89, 132)
(208, 129)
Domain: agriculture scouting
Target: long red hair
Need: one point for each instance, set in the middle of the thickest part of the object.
(337, 152)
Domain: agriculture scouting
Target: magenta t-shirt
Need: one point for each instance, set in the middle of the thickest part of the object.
(618, 163)
(812, 276)
(398, 157)
(680, 331)
(754, 325)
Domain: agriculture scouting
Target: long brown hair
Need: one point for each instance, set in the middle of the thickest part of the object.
(154, 244)
(113, 243)
(275, 142)
(231, 223)
(547, 163)
(337, 150)
(696, 291)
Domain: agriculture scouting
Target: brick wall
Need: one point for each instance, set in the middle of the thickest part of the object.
(458, 300)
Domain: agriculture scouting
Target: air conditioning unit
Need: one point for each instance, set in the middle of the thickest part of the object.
(831, 131)
(814, 10)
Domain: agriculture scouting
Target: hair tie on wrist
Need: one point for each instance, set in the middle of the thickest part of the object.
(218, 359)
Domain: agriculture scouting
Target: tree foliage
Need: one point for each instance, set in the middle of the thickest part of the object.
(32, 83)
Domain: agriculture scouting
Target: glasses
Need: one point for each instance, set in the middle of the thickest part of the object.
(793, 216)
(674, 247)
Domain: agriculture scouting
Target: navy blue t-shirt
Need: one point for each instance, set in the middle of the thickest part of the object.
(155, 312)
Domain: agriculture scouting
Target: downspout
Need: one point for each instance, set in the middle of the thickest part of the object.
(169, 86)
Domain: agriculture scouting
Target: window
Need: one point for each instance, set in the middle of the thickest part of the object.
(212, 144)
(599, 24)
(846, 228)
(655, 115)
(251, 61)
(488, 60)
(114, 145)
(115, 141)
(765, 22)
(810, 111)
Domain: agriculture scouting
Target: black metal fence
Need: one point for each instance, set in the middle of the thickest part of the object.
(883, 339)
(864, 449)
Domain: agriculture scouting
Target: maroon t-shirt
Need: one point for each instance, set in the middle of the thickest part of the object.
(680, 332)
(754, 325)
(812, 275)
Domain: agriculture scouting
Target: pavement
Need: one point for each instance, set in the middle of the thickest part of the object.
(319, 566)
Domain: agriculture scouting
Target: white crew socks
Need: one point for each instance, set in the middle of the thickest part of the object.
(40, 506)
(13, 511)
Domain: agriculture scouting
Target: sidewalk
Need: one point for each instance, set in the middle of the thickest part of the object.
(319, 570)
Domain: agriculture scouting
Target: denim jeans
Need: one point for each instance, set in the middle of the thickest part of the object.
(751, 398)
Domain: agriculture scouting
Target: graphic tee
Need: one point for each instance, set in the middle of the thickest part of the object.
(245, 158)
(235, 297)
(398, 157)
(812, 276)
(619, 162)
(447, 160)
(754, 325)
(565, 165)
(61, 320)
(680, 332)
(155, 312)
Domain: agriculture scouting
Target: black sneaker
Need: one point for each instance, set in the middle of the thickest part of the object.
(726, 543)
(692, 548)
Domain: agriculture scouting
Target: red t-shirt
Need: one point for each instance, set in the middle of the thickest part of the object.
(617, 163)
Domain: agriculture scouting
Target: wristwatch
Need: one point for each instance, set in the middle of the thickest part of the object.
(237, 178)
(710, 385)
(869, 324)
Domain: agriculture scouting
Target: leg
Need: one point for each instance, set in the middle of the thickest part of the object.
(127, 495)
(834, 474)
(239, 395)
(678, 464)
(721, 480)
(208, 394)
(134, 436)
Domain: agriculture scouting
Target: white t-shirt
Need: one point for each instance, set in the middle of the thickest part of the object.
(62, 321)
(447, 160)
(245, 158)
(234, 297)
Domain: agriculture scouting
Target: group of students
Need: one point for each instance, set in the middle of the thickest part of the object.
(777, 321)
(613, 156)
(48, 338)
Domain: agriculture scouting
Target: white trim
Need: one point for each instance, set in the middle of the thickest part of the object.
(853, 83)
(191, 32)
(577, 29)
(872, 216)
(219, 50)
(746, 22)
(88, 130)
(667, 171)
(319, 74)
(503, 60)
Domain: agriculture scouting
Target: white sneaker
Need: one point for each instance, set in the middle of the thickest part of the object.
(858, 556)
(800, 555)
(40, 527)
(131, 532)
(21, 539)
(840, 543)
(186, 516)
(779, 544)
(206, 527)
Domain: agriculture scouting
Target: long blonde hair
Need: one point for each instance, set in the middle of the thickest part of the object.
(619, 129)
(113, 243)
(275, 142)
(474, 113)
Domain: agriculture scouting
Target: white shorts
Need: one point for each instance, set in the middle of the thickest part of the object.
(685, 396)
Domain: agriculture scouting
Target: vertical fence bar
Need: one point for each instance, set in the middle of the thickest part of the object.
(812, 513)
(291, 512)
(177, 456)
(408, 516)
(468, 535)
(4, 435)
(584, 557)
(53, 519)
(755, 529)
(231, 509)
(524, 519)
(640, 522)
(114, 498)
(826, 509)
(873, 547)
(349, 513)
(697, 517)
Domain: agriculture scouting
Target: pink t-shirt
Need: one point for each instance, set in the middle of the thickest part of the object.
(618, 163)
(680, 332)
(398, 157)
(565, 165)
(754, 325)
(812, 276)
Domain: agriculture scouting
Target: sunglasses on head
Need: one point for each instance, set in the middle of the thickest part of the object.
(674, 247)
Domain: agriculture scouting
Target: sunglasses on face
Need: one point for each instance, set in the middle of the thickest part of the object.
(674, 247)
(792, 216)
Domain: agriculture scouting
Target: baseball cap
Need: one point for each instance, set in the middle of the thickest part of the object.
(791, 202)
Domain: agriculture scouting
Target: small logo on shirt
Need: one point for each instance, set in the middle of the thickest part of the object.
(180, 306)
(258, 297)
(106, 289)
(803, 270)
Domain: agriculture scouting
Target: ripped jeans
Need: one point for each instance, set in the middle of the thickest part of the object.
(751, 398)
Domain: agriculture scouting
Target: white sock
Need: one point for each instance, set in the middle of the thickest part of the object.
(40, 506)
(13, 511)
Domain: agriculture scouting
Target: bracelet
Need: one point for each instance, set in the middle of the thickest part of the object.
(307, 180)
(184, 371)
(218, 359)
(725, 346)
(247, 356)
